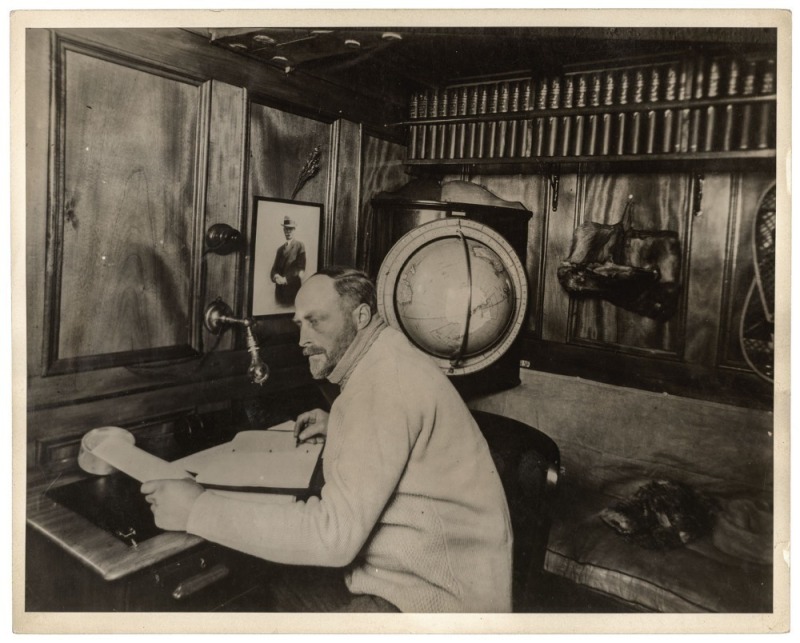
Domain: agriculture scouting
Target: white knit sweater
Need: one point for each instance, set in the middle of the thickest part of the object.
(412, 504)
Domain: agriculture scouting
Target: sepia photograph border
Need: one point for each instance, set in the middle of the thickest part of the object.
(182, 623)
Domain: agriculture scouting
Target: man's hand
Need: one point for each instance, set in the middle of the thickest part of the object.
(171, 501)
(311, 426)
(280, 280)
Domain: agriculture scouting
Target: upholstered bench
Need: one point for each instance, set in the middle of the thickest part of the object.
(614, 440)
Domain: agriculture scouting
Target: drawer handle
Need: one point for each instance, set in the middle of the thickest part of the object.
(200, 581)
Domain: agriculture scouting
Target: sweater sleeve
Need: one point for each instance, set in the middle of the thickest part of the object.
(376, 440)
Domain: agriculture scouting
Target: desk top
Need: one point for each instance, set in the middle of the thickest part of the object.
(95, 547)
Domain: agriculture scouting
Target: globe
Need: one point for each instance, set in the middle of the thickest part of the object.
(457, 290)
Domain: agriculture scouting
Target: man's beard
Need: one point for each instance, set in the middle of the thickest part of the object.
(321, 362)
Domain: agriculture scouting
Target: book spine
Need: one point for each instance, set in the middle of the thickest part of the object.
(480, 136)
(732, 86)
(652, 127)
(540, 104)
(539, 128)
(552, 121)
(444, 108)
(525, 126)
(472, 128)
(622, 117)
(637, 117)
(526, 129)
(594, 119)
(580, 119)
(502, 126)
(748, 89)
(621, 132)
(710, 133)
(433, 128)
(607, 120)
(669, 123)
(653, 97)
(513, 125)
(636, 132)
(684, 115)
(542, 88)
(422, 138)
(670, 93)
(697, 113)
(453, 129)
(412, 130)
(491, 127)
(765, 130)
(566, 120)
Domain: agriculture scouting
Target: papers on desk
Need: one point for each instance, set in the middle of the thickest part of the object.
(257, 460)
(268, 461)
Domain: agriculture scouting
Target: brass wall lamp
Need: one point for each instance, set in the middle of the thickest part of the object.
(218, 317)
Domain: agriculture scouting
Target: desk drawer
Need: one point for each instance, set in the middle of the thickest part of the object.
(206, 578)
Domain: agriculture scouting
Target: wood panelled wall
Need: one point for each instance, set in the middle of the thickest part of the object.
(138, 141)
(382, 169)
(662, 202)
(695, 352)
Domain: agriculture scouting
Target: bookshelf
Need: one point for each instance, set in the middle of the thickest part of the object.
(676, 108)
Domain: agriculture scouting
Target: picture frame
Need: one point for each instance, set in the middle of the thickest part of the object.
(280, 260)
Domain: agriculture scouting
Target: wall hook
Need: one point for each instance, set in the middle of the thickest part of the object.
(552, 173)
(555, 180)
(697, 208)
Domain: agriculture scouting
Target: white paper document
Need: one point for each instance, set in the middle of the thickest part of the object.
(138, 464)
(253, 460)
(256, 459)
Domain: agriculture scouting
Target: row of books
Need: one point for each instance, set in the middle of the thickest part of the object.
(712, 128)
(597, 112)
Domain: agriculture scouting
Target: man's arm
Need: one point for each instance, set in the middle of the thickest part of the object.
(364, 465)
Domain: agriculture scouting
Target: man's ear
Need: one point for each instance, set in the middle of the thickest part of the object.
(362, 316)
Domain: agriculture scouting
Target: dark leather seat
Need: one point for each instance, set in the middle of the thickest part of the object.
(528, 463)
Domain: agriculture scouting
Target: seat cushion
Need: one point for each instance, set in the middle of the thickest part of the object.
(702, 576)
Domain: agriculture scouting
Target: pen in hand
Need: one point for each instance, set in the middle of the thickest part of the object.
(304, 433)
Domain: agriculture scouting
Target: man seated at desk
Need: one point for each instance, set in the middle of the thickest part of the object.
(412, 506)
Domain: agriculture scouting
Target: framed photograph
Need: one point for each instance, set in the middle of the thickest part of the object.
(286, 240)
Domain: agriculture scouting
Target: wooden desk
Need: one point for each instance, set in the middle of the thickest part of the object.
(73, 565)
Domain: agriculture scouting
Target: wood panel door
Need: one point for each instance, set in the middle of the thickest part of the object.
(125, 211)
